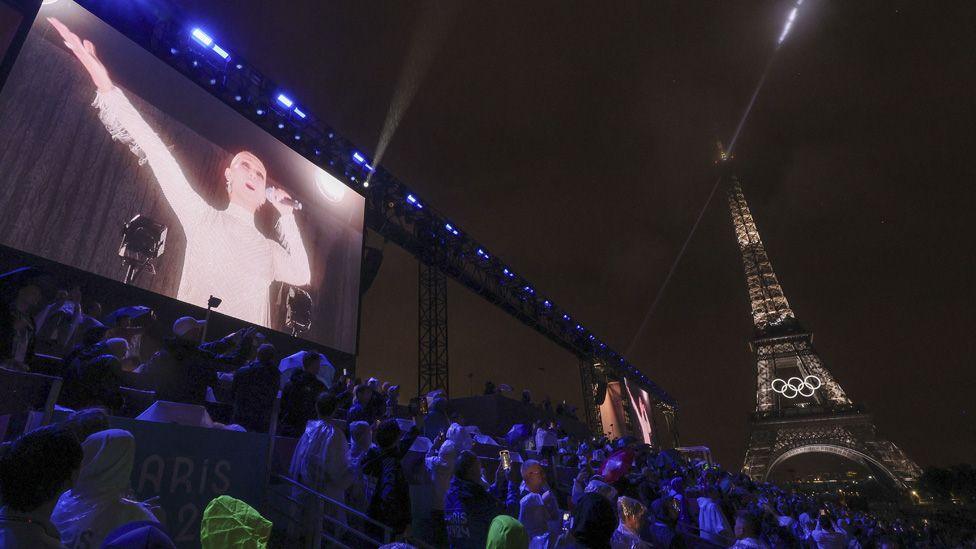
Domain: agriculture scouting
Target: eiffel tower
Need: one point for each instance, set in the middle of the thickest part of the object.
(800, 407)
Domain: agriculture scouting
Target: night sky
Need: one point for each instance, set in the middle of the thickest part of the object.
(576, 141)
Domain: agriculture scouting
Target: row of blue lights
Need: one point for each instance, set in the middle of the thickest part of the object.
(289, 104)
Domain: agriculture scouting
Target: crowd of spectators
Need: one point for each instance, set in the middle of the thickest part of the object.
(424, 474)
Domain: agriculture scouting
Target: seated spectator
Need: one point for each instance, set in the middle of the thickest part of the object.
(630, 514)
(321, 462)
(538, 510)
(506, 533)
(97, 503)
(387, 489)
(360, 409)
(747, 528)
(254, 390)
(181, 371)
(94, 382)
(712, 523)
(34, 470)
(470, 507)
(229, 522)
(298, 398)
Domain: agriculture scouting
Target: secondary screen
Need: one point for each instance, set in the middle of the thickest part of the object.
(96, 133)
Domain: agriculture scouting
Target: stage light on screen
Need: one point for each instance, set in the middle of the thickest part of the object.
(285, 100)
(358, 158)
(331, 188)
(202, 37)
(299, 112)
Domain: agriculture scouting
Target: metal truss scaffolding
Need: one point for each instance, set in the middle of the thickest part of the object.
(432, 372)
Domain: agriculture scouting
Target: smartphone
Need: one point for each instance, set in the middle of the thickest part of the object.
(345, 372)
(423, 405)
(506, 458)
(567, 522)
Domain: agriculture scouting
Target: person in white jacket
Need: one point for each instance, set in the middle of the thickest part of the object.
(321, 462)
(225, 253)
(712, 523)
(441, 459)
(98, 504)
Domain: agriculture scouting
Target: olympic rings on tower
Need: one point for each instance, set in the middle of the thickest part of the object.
(795, 386)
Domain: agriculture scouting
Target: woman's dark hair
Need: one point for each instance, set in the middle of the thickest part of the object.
(86, 422)
(594, 521)
(326, 404)
(466, 460)
(752, 523)
(36, 467)
(388, 433)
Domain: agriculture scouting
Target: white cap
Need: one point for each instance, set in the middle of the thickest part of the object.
(185, 324)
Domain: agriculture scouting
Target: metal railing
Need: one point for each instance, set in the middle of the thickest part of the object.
(332, 528)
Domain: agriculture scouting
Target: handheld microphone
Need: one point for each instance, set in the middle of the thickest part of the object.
(290, 202)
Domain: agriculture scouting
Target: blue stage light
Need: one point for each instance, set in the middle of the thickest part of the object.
(281, 126)
(450, 228)
(213, 81)
(318, 152)
(260, 112)
(285, 100)
(579, 327)
(529, 289)
(237, 98)
(239, 66)
(202, 37)
(413, 200)
(298, 137)
(508, 273)
(174, 51)
(483, 253)
(592, 337)
(220, 51)
(358, 158)
(566, 317)
(368, 166)
(195, 64)
(299, 112)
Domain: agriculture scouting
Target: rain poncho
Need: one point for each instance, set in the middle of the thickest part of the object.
(441, 467)
(321, 462)
(507, 533)
(460, 437)
(230, 523)
(96, 505)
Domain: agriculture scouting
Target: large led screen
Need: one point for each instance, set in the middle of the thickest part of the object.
(97, 133)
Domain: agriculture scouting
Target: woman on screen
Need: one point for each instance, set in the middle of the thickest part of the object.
(225, 255)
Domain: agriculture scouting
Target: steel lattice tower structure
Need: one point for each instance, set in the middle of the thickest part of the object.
(818, 416)
(432, 365)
